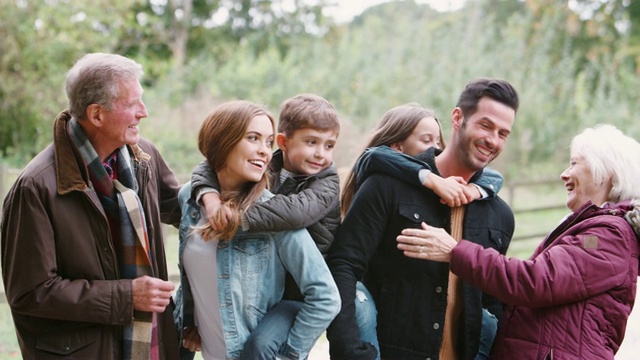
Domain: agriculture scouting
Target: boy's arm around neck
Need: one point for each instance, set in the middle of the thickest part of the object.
(490, 181)
(203, 177)
(296, 210)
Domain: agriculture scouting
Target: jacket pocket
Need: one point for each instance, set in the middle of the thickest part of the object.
(68, 341)
(497, 238)
(252, 255)
(411, 212)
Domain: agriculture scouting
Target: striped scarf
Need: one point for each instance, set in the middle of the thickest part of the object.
(119, 199)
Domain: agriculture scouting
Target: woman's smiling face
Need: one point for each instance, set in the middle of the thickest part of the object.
(581, 187)
(248, 160)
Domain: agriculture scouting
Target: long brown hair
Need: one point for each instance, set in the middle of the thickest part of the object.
(395, 126)
(220, 132)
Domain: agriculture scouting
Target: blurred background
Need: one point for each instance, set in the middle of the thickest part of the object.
(575, 63)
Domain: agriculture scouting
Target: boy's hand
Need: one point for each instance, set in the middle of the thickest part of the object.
(453, 190)
(212, 205)
(191, 338)
(473, 193)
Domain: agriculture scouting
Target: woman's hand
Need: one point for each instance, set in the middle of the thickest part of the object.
(429, 243)
(191, 338)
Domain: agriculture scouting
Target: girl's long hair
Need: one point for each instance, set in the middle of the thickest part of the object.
(220, 132)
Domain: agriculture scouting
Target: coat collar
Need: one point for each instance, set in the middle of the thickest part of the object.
(586, 211)
(71, 172)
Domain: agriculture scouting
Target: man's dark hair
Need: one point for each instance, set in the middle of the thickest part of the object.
(498, 90)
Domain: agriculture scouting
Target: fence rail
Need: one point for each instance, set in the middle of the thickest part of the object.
(524, 191)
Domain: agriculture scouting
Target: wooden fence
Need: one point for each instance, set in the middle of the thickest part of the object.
(528, 198)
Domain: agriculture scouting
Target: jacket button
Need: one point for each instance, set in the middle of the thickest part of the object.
(416, 215)
(438, 289)
(436, 326)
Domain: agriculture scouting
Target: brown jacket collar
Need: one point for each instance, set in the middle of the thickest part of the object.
(71, 173)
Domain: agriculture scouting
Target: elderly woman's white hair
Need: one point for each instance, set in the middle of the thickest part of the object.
(611, 155)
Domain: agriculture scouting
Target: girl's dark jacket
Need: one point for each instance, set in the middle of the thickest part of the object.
(59, 265)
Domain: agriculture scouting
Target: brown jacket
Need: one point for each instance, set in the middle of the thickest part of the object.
(59, 266)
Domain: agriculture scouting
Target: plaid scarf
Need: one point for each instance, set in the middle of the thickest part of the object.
(119, 199)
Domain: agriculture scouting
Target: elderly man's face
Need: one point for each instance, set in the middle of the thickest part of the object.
(120, 124)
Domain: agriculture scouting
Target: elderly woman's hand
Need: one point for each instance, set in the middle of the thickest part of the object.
(428, 243)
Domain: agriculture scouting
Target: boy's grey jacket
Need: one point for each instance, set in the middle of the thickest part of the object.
(314, 205)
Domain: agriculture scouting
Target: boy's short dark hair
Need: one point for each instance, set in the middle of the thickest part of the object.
(307, 111)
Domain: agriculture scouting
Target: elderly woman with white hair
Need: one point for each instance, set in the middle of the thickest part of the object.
(571, 299)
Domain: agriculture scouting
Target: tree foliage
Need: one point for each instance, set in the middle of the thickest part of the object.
(40, 40)
(574, 66)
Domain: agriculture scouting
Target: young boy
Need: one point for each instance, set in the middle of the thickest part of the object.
(306, 187)
(301, 174)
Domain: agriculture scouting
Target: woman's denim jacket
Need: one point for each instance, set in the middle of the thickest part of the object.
(251, 274)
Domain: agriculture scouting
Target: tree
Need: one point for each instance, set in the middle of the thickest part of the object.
(189, 28)
(39, 41)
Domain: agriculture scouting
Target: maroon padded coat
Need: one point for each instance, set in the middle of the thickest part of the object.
(59, 267)
(572, 298)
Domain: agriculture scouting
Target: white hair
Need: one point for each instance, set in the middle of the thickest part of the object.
(95, 79)
(611, 155)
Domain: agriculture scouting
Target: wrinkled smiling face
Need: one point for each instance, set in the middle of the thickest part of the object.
(120, 124)
(483, 134)
(580, 185)
(248, 160)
